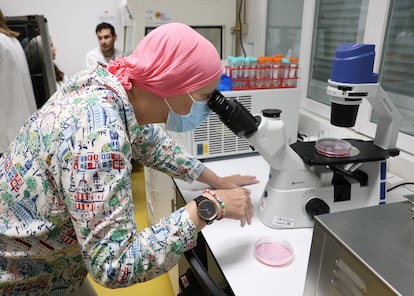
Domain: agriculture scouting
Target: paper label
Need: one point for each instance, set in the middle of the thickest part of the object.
(283, 222)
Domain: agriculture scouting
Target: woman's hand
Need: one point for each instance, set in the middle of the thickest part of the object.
(227, 182)
(234, 181)
(237, 204)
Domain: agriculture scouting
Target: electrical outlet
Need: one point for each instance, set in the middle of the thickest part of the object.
(236, 29)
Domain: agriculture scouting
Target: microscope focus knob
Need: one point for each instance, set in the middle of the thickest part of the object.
(317, 206)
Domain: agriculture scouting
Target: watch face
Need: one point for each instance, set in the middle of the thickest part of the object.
(207, 210)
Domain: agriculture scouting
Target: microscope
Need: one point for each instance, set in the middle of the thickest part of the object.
(303, 182)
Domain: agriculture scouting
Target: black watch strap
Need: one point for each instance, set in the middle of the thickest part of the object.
(199, 199)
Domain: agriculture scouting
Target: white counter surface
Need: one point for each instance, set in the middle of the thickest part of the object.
(233, 246)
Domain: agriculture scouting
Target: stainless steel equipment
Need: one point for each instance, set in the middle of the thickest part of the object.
(368, 251)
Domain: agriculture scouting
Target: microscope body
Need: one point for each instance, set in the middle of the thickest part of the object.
(297, 191)
(303, 183)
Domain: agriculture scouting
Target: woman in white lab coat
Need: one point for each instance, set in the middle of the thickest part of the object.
(16, 92)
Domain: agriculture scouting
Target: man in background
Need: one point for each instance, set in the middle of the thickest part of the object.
(106, 50)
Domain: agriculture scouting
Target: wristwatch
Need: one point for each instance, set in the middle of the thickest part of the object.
(206, 209)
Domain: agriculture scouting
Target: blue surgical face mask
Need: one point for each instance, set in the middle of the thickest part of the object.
(183, 123)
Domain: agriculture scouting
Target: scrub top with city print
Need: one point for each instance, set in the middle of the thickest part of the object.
(66, 205)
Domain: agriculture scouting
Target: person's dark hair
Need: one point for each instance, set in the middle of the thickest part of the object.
(58, 73)
(102, 26)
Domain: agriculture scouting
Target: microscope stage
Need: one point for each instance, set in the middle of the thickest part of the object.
(368, 151)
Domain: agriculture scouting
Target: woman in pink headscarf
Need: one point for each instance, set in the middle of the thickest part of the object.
(65, 187)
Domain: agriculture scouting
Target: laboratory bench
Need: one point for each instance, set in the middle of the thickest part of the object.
(232, 247)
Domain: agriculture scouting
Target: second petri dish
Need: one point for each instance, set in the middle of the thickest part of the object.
(273, 251)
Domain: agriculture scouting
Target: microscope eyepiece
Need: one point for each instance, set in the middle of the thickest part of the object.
(233, 114)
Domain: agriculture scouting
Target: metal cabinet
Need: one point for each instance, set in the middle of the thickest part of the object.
(160, 192)
(367, 251)
(161, 199)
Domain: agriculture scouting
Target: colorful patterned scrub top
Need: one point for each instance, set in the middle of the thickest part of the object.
(66, 205)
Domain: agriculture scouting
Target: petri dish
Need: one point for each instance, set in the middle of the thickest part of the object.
(274, 251)
(333, 147)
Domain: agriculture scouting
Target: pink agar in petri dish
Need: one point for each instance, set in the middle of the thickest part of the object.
(274, 252)
(332, 147)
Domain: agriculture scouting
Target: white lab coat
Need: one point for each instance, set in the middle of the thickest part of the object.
(17, 100)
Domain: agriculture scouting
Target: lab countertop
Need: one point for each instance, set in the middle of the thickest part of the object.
(233, 246)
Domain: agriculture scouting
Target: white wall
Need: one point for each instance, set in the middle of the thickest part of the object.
(256, 21)
(284, 14)
(190, 12)
(71, 25)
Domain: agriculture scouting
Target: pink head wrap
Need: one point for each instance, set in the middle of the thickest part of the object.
(172, 59)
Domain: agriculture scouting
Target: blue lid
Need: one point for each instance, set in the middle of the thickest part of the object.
(233, 60)
(285, 60)
(354, 63)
